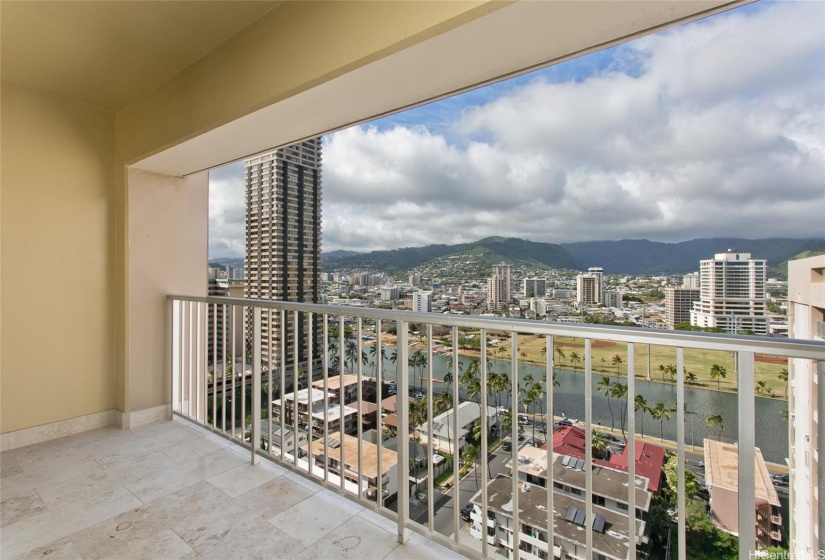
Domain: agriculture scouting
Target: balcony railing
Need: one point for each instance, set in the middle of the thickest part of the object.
(309, 346)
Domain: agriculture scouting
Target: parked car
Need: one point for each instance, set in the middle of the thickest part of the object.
(466, 511)
(564, 422)
(780, 479)
(391, 390)
(417, 395)
(543, 430)
(507, 445)
(523, 420)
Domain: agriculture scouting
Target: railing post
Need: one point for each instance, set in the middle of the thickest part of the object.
(403, 398)
(747, 456)
(255, 436)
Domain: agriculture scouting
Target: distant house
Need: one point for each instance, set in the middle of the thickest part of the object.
(285, 434)
(444, 437)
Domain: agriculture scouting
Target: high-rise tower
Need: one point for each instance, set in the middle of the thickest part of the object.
(283, 244)
(500, 287)
(732, 294)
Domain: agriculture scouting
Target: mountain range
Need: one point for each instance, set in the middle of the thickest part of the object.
(628, 256)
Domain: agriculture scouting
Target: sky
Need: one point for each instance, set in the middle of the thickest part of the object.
(712, 129)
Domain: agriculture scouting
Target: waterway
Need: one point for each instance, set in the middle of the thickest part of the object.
(568, 400)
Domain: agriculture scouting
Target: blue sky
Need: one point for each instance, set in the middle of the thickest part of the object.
(716, 128)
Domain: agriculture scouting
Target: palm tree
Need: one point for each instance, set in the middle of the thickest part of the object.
(442, 404)
(662, 369)
(718, 372)
(560, 352)
(604, 385)
(544, 384)
(640, 403)
(761, 386)
(351, 354)
(469, 455)
(471, 381)
(575, 358)
(690, 377)
(374, 353)
(617, 361)
(716, 421)
(532, 397)
(783, 377)
(599, 444)
(671, 371)
(498, 382)
(603, 362)
(661, 412)
(619, 390)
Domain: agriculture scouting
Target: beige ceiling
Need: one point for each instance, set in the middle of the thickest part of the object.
(109, 53)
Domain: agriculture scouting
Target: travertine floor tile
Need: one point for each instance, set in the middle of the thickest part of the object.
(259, 542)
(245, 477)
(61, 549)
(357, 539)
(20, 507)
(316, 516)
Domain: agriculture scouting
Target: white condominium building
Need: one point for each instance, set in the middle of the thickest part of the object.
(732, 294)
(806, 320)
(500, 287)
(283, 242)
(422, 302)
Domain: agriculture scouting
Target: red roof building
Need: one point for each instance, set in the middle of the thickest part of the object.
(569, 440)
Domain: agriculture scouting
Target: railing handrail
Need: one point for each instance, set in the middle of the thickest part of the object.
(785, 347)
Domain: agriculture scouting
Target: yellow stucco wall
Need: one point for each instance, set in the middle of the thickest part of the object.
(291, 49)
(57, 357)
(83, 311)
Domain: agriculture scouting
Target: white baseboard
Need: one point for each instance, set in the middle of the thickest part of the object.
(63, 428)
(129, 420)
(54, 430)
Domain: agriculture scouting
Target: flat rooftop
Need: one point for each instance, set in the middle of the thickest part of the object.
(369, 459)
(532, 502)
(302, 396)
(335, 383)
(722, 470)
(607, 482)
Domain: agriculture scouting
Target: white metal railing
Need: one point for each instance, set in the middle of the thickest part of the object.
(230, 353)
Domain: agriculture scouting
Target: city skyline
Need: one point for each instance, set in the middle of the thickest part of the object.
(710, 129)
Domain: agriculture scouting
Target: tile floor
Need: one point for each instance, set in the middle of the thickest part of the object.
(172, 490)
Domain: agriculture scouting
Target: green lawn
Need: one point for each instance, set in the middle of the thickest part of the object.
(698, 362)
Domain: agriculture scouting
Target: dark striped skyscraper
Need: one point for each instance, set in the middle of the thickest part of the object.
(283, 244)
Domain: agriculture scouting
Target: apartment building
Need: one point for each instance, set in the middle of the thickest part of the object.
(732, 294)
(678, 305)
(500, 287)
(535, 287)
(806, 320)
(340, 452)
(722, 480)
(613, 299)
(589, 288)
(612, 533)
(283, 244)
(422, 302)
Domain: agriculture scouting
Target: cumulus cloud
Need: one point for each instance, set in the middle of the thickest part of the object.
(716, 128)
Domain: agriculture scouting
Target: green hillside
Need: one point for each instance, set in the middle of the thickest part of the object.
(781, 270)
(489, 251)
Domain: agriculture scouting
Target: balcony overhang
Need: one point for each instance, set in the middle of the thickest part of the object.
(506, 42)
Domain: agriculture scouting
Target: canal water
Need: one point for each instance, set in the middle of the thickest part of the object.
(771, 429)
